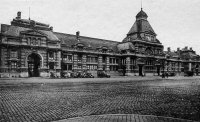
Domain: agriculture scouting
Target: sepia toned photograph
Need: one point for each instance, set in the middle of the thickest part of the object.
(99, 61)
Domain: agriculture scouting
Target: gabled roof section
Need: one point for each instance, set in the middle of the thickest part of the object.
(92, 43)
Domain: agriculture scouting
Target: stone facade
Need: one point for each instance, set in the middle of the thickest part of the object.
(32, 49)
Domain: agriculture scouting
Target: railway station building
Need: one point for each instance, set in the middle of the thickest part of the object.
(32, 49)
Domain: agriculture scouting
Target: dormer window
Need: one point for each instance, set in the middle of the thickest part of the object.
(80, 46)
(149, 37)
(104, 49)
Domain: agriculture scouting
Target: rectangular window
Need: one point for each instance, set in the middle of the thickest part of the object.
(79, 58)
(13, 65)
(79, 67)
(64, 66)
(13, 54)
(110, 60)
(88, 59)
(117, 61)
(104, 60)
(64, 57)
(51, 55)
(51, 65)
(36, 42)
(114, 60)
(39, 41)
(70, 57)
(67, 58)
(29, 41)
(104, 67)
(92, 67)
(96, 59)
(69, 67)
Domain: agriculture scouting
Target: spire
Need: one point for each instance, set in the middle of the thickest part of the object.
(29, 14)
(29, 9)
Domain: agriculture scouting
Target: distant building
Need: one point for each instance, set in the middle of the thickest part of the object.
(32, 49)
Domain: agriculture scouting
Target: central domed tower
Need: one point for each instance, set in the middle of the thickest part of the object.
(142, 38)
(141, 30)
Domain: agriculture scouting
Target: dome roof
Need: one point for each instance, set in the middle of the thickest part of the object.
(141, 14)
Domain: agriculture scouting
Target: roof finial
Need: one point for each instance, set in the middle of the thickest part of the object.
(141, 4)
(29, 13)
(29, 9)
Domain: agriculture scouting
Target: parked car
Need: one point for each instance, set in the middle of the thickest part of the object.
(53, 75)
(102, 74)
(189, 73)
(74, 75)
(65, 74)
(89, 75)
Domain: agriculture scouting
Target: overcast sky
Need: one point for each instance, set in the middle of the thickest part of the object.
(176, 22)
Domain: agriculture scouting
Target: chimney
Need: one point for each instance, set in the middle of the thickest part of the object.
(178, 49)
(190, 48)
(186, 47)
(77, 35)
(168, 49)
(51, 28)
(18, 15)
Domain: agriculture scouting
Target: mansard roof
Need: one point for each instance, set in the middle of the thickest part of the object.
(92, 43)
(188, 55)
(11, 30)
(172, 54)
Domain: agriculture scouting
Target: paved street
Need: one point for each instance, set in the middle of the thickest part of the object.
(39, 99)
(123, 118)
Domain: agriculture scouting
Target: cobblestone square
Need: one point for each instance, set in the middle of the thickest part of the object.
(55, 99)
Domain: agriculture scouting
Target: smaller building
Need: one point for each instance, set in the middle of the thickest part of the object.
(182, 61)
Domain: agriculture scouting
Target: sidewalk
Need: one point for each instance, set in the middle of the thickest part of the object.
(123, 118)
(112, 79)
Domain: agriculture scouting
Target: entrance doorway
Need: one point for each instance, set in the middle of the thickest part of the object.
(140, 70)
(34, 65)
